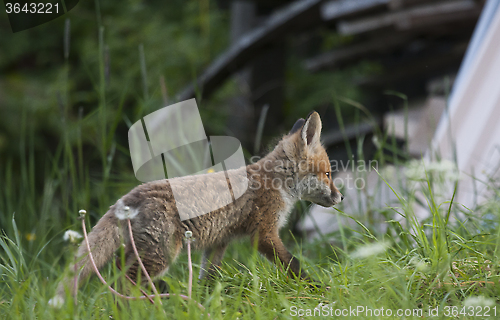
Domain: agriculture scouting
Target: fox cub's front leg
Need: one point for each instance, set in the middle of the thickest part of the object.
(271, 246)
(211, 260)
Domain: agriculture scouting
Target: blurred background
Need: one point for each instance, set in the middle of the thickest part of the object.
(379, 72)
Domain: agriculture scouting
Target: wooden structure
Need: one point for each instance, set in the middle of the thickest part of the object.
(415, 41)
(466, 134)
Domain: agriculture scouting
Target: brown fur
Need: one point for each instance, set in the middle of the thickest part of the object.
(259, 213)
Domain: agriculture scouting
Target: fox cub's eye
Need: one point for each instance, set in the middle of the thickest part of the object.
(328, 175)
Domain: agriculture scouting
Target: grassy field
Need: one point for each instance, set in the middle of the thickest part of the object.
(439, 268)
(445, 266)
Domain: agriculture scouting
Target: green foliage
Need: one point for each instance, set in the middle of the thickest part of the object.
(63, 130)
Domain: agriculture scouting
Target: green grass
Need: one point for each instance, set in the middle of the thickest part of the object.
(417, 266)
(434, 265)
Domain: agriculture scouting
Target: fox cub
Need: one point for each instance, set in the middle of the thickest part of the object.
(297, 168)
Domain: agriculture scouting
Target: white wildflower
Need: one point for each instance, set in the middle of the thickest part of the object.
(389, 172)
(449, 169)
(417, 170)
(123, 212)
(475, 301)
(72, 236)
(371, 249)
(56, 302)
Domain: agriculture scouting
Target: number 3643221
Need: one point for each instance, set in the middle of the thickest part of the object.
(31, 7)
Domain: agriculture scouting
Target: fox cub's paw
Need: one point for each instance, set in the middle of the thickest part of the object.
(162, 286)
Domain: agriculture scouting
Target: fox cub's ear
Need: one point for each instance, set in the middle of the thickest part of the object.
(297, 126)
(311, 130)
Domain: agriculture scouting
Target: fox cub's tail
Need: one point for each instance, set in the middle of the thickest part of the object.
(104, 240)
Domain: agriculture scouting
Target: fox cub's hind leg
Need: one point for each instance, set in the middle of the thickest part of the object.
(211, 260)
(155, 257)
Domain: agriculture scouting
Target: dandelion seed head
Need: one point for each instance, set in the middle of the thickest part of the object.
(72, 236)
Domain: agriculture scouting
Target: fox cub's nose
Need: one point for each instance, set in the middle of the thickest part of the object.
(341, 197)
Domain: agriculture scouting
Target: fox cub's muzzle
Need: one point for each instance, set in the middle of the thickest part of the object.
(335, 197)
(321, 192)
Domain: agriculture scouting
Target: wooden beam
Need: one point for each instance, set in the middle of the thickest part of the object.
(400, 4)
(333, 10)
(406, 19)
(351, 132)
(384, 43)
(429, 17)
